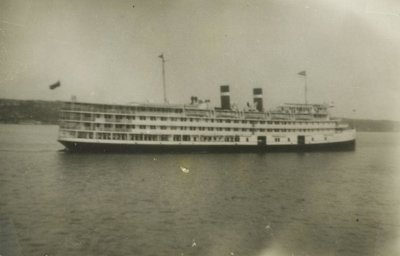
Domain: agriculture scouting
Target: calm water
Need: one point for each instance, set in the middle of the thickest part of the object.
(330, 203)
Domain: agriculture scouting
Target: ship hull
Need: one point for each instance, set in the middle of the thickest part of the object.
(72, 146)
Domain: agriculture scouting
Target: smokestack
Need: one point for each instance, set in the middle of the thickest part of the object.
(258, 99)
(225, 97)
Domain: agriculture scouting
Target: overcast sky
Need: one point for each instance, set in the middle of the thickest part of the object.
(107, 51)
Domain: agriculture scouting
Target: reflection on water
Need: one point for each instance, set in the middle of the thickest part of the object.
(330, 203)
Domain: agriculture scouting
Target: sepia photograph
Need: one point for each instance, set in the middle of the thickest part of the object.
(208, 127)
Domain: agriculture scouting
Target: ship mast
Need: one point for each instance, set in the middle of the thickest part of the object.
(304, 74)
(305, 89)
(163, 77)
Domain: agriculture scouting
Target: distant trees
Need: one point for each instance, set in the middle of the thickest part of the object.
(29, 111)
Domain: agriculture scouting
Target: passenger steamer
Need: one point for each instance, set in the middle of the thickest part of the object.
(198, 127)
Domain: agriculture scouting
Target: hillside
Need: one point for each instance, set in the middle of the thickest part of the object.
(29, 111)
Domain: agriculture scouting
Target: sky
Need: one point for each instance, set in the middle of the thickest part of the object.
(107, 51)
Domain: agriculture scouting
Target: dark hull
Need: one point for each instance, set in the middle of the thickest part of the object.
(105, 148)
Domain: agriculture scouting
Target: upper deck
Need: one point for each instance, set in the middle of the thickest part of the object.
(305, 112)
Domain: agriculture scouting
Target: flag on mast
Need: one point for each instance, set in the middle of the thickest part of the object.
(161, 56)
(55, 85)
(302, 73)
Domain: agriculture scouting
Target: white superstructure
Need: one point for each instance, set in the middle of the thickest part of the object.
(140, 126)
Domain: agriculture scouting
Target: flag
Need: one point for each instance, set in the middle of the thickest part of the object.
(55, 85)
(302, 73)
(161, 56)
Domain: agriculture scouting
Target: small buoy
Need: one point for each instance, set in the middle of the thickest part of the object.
(268, 227)
(194, 243)
(232, 253)
(185, 170)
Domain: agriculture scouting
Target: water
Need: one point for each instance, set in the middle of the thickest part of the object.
(328, 203)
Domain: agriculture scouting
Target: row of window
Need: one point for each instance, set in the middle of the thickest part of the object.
(109, 118)
(109, 127)
(148, 137)
(277, 139)
(118, 109)
(134, 109)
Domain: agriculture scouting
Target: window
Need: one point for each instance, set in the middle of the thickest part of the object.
(277, 139)
(142, 126)
(163, 118)
(152, 127)
(152, 118)
(231, 139)
(81, 135)
(183, 119)
(142, 117)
